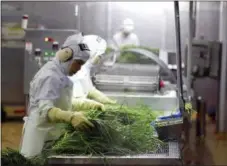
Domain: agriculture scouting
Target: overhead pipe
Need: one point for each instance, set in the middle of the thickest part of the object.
(194, 18)
(109, 18)
(201, 118)
(77, 14)
(178, 56)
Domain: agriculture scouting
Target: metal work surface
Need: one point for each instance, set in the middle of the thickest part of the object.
(37, 39)
(168, 155)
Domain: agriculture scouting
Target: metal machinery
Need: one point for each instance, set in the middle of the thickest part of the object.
(12, 65)
(207, 60)
(41, 46)
(205, 63)
(137, 83)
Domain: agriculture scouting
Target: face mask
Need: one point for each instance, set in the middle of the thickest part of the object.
(128, 29)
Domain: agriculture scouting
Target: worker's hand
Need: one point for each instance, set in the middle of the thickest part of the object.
(110, 101)
(96, 59)
(83, 104)
(79, 121)
(98, 96)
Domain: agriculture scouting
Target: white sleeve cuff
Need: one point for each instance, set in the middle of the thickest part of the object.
(44, 107)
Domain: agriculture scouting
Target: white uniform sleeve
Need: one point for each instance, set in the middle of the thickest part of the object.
(136, 41)
(115, 42)
(46, 92)
(44, 107)
(48, 88)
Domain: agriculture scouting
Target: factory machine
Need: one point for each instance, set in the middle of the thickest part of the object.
(205, 62)
(41, 46)
(12, 59)
(138, 83)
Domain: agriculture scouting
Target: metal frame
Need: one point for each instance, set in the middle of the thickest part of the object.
(178, 56)
(168, 155)
(189, 79)
(222, 115)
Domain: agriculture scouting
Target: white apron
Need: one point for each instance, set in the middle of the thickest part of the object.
(35, 133)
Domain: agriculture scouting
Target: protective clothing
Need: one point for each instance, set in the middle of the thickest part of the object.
(82, 79)
(121, 40)
(96, 95)
(126, 36)
(77, 119)
(79, 49)
(86, 104)
(97, 47)
(50, 88)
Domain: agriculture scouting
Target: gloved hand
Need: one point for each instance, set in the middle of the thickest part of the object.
(77, 119)
(98, 96)
(95, 60)
(86, 104)
(80, 122)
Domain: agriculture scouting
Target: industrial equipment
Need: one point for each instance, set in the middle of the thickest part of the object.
(206, 58)
(41, 48)
(205, 62)
(137, 83)
(12, 65)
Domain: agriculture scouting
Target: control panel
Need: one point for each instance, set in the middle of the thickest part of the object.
(206, 58)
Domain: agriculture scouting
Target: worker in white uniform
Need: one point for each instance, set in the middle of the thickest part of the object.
(51, 96)
(126, 36)
(85, 94)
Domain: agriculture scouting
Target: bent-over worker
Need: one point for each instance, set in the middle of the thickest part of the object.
(51, 94)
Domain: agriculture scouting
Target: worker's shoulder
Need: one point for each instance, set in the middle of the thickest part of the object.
(133, 35)
(118, 34)
(47, 76)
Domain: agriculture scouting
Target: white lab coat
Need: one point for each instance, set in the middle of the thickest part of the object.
(122, 40)
(50, 88)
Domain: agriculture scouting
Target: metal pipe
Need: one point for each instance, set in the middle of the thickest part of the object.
(194, 17)
(178, 55)
(189, 80)
(109, 17)
(222, 115)
(77, 14)
(201, 117)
